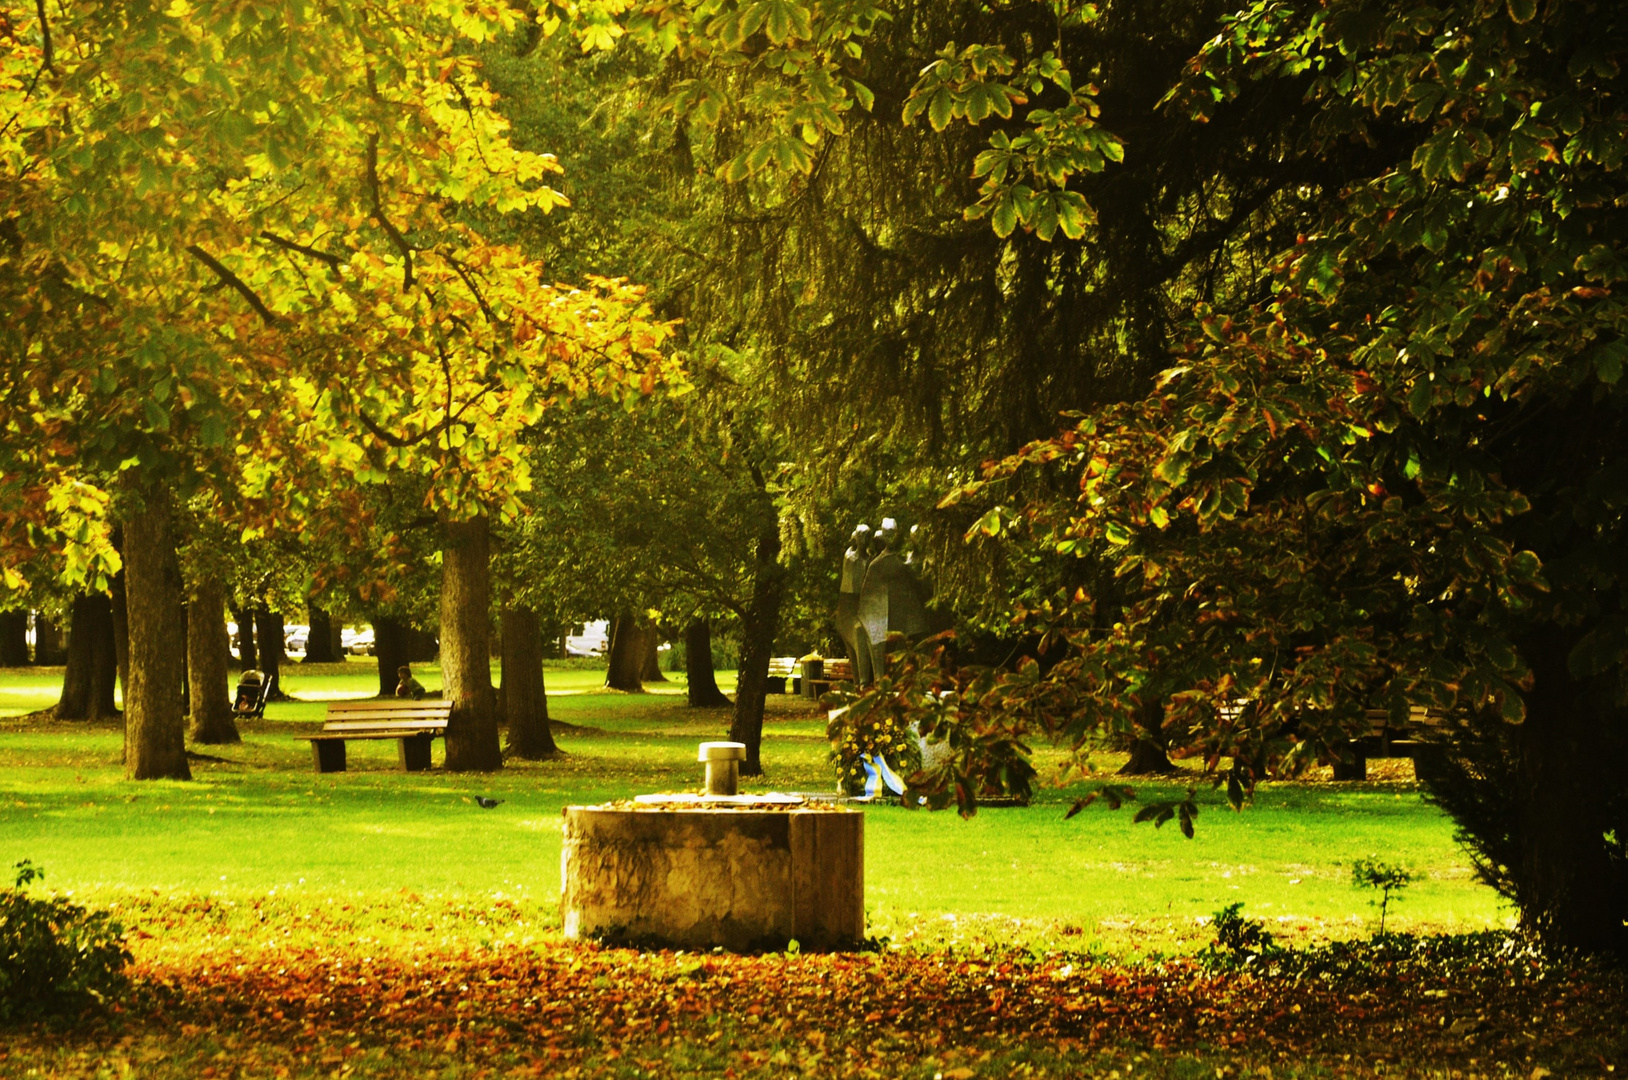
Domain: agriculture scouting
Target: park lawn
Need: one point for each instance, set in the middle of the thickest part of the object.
(256, 826)
(376, 923)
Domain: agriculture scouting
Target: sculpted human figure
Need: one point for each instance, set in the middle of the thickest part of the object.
(854, 561)
(880, 595)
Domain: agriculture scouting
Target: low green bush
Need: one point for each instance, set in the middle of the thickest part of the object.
(56, 957)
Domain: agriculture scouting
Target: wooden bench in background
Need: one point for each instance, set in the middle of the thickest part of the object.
(815, 685)
(1385, 740)
(413, 724)
(781, 668)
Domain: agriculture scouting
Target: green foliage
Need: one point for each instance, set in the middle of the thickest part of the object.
(1388, 878)
(56, 957)
(1239, 941)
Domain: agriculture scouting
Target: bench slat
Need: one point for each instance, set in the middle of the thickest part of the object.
(342, 736)
(388, 714)
(388, 705)
(386, 725)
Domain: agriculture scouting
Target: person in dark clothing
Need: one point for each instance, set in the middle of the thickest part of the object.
(407, 686)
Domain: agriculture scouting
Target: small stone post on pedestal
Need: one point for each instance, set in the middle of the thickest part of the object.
(723, 762)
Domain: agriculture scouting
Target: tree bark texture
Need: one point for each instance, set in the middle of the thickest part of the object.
(248, 657)
(91, 674)
(703, 682)
(525, 700)
(651, 669)
(466, 646)
(209, 663)
(624, 661)
(48, 647)
(389, 651)
(422, 646)
(1571, 889)
(155, 732)
(324, 643)
(758, 631)
(268, 634)
(14, 638)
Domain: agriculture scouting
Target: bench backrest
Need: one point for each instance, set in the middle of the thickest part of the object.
(386, 714)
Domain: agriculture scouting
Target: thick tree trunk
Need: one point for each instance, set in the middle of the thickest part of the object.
(155, 727)
(121, 630)
(48, 648)
(422, 647)
(650, 670)
(14, 638)
(758, 631)
(1570, 751)
(89, 679)
(525, 700)
(389, 651)
(268, 633)
(703, 683)
(209, 663)
(624, 660)
(323, 644)
(466, 646)
(1149, 743)
(248, 657)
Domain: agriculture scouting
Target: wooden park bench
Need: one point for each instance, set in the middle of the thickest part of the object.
(1385, 740)
(781, 668)
(831, 671)
(413, 724)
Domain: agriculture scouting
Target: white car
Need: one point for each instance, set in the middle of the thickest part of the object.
(592, 641)
(357, 642)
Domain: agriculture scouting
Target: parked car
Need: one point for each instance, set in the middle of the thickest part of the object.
(357, 642)
(590, 639)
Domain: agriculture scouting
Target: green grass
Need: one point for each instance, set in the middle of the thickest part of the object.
(257, 827)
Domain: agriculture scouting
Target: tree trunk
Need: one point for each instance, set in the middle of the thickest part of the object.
(14, 638)
(323, 644)
(268, 633)
(155, 728)
(624, 661)
(466, 646)
(525, 700)
(703, 683)
(389, 651)
(758, 631)
(48, 648)
(209, 663)
(248, 657)
(422, 647)
(650, 670)
(1570, 751)
(1149, 744)
(121, 628)
(89, 678)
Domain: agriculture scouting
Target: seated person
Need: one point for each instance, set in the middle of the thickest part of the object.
(408, 686)
(247, 698)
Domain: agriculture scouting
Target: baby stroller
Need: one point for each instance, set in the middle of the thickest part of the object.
(253, 691)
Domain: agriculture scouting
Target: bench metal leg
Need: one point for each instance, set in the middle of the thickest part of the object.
(415, 752)
(328, 755)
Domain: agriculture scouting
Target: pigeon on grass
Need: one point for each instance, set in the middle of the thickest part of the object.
(484, 803)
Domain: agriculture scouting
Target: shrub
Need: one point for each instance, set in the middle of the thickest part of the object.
(56, 956)
(1239, 941)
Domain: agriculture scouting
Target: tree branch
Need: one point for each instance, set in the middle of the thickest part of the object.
(267, 316)
(385, 223)
(45, 32)
(333, 261)
(473, 288)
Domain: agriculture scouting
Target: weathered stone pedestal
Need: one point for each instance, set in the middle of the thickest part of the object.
(709, 873)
